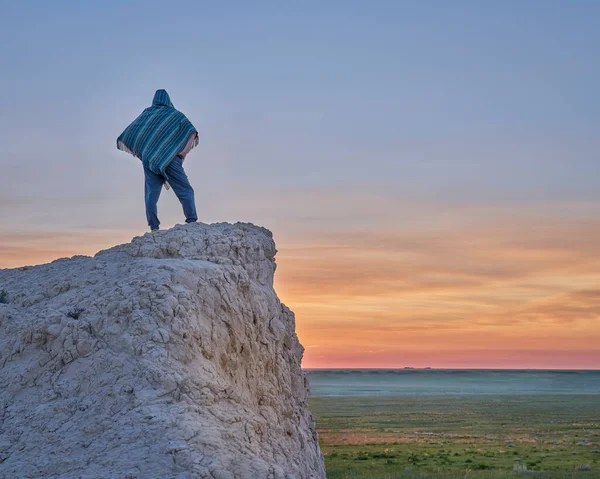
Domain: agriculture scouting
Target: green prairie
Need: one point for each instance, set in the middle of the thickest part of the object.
(477, 436)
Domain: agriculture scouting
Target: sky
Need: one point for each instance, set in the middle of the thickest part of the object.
(430, 169)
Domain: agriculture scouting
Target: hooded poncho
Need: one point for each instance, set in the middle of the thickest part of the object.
(158, 134)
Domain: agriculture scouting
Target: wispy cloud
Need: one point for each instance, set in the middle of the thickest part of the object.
(36, 247)
(505, 282)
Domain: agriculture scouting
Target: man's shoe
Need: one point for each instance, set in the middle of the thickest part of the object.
(153, 230)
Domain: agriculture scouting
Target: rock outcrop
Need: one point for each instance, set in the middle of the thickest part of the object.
(168, 357)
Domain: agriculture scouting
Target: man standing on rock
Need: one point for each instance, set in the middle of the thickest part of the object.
(162, 137)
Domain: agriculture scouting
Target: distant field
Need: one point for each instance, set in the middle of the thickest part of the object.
(487, 436)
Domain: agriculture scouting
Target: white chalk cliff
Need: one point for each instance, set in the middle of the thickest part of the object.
(168, 357)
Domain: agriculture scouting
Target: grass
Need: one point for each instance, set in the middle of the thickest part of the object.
(479, 436)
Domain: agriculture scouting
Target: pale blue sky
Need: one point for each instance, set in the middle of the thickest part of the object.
(434, 101)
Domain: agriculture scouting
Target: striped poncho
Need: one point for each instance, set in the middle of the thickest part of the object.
(158, 134)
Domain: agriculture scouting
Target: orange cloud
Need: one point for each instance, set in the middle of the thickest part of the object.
(33, 247)
(471, 295)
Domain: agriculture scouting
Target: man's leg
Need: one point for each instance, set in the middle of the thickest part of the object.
(153, 186)
(182, 188)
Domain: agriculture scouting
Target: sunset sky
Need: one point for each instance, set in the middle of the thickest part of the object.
(430, 169)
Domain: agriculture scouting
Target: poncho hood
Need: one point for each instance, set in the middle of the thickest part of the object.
(161, 98)
(158, 134)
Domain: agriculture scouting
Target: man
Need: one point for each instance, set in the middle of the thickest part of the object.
(162, 137)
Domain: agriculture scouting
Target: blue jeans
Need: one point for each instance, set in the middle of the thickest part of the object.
(181, 186)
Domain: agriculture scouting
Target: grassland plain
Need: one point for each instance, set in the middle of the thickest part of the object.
(471, 436)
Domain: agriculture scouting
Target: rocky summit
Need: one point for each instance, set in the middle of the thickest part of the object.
(167, 357)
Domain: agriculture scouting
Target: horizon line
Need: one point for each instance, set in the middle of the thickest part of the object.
(448, 369)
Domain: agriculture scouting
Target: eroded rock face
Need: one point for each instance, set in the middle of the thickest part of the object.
(170, 356)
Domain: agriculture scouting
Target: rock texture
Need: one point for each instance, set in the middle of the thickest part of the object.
(168, 357)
